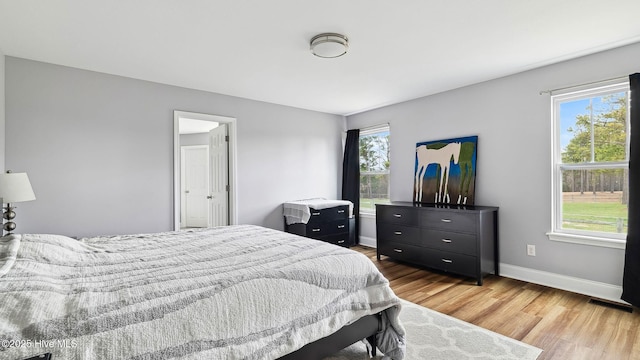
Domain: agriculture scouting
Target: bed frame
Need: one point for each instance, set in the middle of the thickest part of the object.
(366, 327)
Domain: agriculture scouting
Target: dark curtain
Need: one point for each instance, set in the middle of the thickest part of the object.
(351, 176)
(631, 279)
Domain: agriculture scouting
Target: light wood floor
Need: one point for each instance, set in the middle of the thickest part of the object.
(564, 325)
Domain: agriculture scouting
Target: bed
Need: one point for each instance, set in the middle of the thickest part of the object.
(233, 292)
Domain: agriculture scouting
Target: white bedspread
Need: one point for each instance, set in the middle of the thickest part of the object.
(299, 211)
(237, 292)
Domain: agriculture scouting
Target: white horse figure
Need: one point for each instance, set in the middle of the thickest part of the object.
(442, 158)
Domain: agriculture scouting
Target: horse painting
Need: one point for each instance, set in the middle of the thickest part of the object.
(445, 170)
(442, 159)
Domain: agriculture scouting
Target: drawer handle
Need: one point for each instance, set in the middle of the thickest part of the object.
(340, 241)
(447, 261)
(340, 226)
(397, 250)
(315, 214)
(446, 241)
(446, 220)
(340, 211)
(315, 230)
(397, 215)
(398, 232)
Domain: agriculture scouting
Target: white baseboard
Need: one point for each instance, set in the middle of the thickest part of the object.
(368, 241)
(591, 288)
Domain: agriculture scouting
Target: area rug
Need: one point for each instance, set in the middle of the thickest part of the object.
(432, 335)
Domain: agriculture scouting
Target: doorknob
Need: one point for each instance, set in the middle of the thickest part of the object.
(186, 191)
(210, 197)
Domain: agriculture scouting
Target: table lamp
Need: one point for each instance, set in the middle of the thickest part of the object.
(14, 187)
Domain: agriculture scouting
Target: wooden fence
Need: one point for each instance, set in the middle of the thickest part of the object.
(600, 197)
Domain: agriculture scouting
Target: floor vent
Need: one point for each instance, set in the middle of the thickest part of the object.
(612, 304)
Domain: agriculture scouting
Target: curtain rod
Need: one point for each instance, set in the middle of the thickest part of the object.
(371, 127)
(585, 84)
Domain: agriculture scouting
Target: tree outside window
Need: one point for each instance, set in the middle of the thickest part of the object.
(374, 168)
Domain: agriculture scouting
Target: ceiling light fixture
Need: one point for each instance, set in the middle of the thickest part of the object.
(329, 45)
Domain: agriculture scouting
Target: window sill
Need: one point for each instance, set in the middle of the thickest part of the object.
(588, 240)
(368, 215)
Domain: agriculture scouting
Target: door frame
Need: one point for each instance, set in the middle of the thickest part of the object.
(232, 157)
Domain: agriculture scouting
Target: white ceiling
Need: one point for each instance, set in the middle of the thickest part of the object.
(188, 126)
(399, 50)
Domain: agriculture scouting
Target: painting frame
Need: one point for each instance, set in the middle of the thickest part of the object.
(445, 171)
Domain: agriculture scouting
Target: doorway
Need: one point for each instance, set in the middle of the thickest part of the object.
(204, 170)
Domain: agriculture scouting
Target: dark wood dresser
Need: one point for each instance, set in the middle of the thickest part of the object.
(452, 238)
(332, 225)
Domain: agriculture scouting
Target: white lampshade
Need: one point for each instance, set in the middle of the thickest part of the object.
(15, 187)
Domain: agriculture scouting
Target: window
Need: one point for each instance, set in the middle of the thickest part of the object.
(590, 165)
(374, 168)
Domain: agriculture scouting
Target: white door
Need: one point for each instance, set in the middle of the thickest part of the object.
(218, 145)
(196, 186)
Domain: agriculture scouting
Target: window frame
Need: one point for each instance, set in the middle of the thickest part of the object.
(557, 233)
(370, 131)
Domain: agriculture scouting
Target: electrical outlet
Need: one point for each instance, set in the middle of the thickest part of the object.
(531, 250)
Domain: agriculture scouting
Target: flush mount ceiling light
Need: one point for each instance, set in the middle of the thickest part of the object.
(329, 45)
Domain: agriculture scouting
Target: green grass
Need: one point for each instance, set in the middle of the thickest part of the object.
(369, 204)
(603, 217)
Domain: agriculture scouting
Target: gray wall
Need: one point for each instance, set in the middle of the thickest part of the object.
(512, 121)
(2, 106)
(98, 149)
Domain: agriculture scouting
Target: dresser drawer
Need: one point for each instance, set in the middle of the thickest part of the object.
(450, 241)
(449, 220)
(328, 228)
(401, 251)
(451, 262)
(342, 239)
(319, 216)
(398, 233)
(396, 215)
